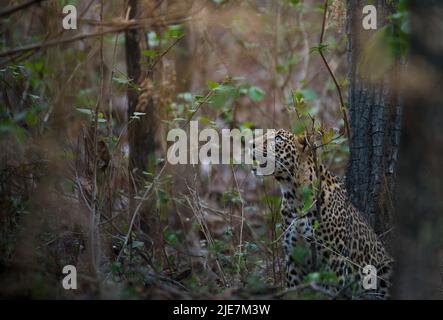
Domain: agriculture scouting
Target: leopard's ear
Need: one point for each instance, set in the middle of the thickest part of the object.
(301, 142)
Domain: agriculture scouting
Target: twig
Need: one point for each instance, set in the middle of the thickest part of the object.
(240, 242)
(337, 86)
(27, 54)
(165, 52)
(136, 211)
(318, 192)
(18, 7)
(312, 285)
(54, 42)
(197, 211)
(202, 102)
(123, 26)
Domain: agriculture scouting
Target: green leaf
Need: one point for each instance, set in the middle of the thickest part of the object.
(149, 53)
(137, 244)
(85, 111)
(247, 125)
(256, 94)
(171, 238)
(300, 126)
(175, 31)
(120, 80)
(199, 99)
(319, 47)
(186, 96)
(307, 198)
(309, 94)
(31, 118)
(33, 97)
(327, 136)
(206, 120)
(153, 39)
(300, 253)
(313, 276)
(213, 84)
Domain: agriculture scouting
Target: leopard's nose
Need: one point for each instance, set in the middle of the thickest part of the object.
(251, 144)
(251, 147)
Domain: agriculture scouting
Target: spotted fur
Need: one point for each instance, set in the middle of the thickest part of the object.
(331, 236)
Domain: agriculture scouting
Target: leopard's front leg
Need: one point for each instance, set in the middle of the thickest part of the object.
(296, 243)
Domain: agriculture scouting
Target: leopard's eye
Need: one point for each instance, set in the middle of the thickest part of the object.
(278, 139)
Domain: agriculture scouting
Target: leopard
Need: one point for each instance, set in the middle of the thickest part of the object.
(325, 236)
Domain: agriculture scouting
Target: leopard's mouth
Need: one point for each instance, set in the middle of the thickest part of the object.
(255, 168)
(261, 157)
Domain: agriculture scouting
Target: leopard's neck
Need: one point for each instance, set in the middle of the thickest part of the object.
(304, 179)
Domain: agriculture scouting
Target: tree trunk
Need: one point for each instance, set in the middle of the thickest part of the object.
(141, 131)
(419, 210)
(374, 117)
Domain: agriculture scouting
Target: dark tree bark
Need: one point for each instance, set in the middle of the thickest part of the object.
(374, 118)
(141, 132)
(419, 210)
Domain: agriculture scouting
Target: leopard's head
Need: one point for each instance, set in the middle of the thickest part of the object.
(281, 148)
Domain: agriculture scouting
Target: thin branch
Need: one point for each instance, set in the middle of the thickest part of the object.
(18, 7)
(240, 242)
(157, 60)
(125, 25)
(337, 86)
(136, 211)
(54, 42)
(27, 54)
